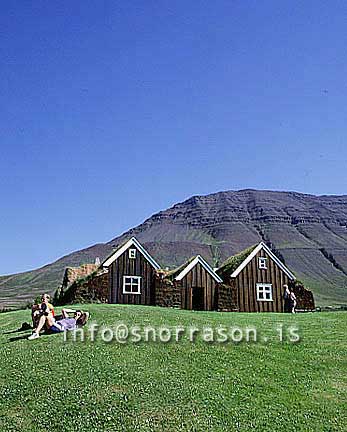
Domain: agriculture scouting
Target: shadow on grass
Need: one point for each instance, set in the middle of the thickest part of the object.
(17, 338)
(26, 335)
(24, 327)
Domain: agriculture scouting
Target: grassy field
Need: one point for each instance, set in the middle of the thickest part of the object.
(52, 385)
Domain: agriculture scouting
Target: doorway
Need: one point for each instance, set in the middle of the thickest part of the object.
(198, 298)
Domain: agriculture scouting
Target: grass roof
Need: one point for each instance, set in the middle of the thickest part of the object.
(171, 274)
(233, 262)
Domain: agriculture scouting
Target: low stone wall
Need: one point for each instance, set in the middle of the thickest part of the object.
(92, 288)
(74, 273)
(167, 293)
(226, 298)
(304, 297)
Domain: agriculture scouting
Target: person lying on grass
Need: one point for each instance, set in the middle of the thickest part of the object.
(44, 308)
(65, 324)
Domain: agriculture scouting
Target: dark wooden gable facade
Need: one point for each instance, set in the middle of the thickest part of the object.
(198, 285)
(259, 278)
(131, 272)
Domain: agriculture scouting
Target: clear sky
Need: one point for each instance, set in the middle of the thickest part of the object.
(114, 110)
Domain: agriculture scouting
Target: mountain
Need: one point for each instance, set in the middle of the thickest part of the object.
(308, 232)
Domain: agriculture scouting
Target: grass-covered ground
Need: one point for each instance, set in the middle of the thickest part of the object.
(49, 385)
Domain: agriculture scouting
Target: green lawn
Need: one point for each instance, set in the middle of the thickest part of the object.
(52, 385)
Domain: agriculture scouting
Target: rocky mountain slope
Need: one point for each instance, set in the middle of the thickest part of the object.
(308, 232)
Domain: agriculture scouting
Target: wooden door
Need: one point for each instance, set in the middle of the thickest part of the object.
(198, 302)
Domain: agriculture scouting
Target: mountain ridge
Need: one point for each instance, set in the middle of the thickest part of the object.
(308, 231)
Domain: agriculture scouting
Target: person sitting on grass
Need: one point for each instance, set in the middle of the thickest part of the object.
(65, 324)
(38, 310)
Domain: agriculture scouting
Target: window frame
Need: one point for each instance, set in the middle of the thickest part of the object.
(262, 263)
(264, 288)
(132, 253)
(131, 284)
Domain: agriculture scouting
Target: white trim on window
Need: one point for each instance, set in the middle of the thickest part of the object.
(132, 284)
(132, 253)
(262, 263)
(264, 292)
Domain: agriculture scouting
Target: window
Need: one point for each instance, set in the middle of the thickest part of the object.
(131, 284)
(262, 263)
(264, 292)
(132, 253)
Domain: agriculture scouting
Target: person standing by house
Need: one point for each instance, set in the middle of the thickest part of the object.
(293, 301)
(286, 296)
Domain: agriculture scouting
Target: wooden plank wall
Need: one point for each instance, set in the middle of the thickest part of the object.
(124, 266)
(251, 275)
(198, 277)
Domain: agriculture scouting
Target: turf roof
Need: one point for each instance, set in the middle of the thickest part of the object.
(171, 274)
(233, 262)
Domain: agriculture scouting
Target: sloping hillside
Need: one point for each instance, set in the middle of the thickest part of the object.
(309, 232)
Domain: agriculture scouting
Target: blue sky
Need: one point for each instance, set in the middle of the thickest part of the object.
(112, 111)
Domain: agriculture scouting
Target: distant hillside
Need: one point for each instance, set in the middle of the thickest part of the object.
(308, 232)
